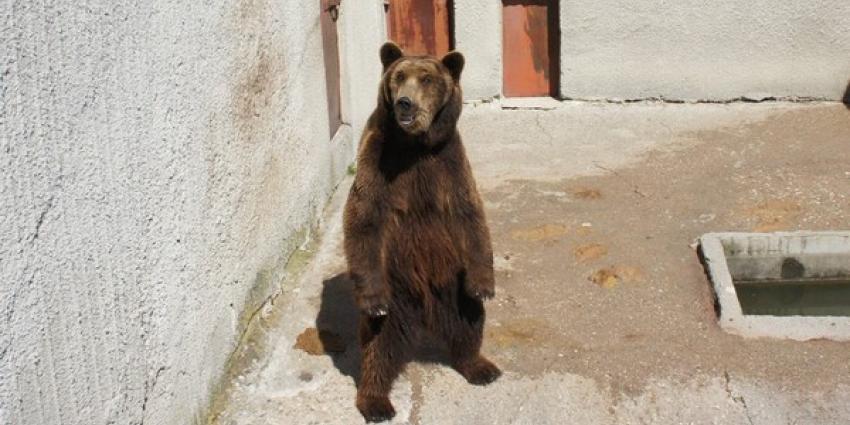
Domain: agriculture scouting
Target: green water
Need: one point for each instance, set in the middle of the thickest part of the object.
(795, 297)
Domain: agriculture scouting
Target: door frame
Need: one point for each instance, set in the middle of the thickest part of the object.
(329, 17)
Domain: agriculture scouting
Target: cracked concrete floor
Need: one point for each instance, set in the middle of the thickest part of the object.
(603, 314)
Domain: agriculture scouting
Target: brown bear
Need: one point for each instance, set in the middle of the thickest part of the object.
(416, 240)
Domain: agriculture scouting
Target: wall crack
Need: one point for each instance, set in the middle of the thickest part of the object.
(740, 99)
(41, 218)
(149, 386)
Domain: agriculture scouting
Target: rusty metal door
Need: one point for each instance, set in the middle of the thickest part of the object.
(420, 27)
(330, 50)
(530, 40)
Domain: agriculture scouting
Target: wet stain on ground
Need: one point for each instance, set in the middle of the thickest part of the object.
(514, 333)
(545, 232)
(612, 276)
(605, 278)
(774, 215)
(587, 194)
(590, 252)
(305, 376)
(584, 231)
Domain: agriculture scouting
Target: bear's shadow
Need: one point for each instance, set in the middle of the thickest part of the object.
(338, 320)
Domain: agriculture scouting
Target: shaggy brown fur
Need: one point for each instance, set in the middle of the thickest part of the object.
(416, 240)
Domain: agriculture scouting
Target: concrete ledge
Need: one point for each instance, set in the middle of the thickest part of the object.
(729, 256)
(544, 103)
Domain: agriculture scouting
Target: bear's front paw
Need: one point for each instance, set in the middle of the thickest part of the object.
(374, 302)
(482, 293)
(479, 292)
(478, 371)
(375, 409)
(478, 283)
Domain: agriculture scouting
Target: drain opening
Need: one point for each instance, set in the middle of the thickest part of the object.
(806, 297)
(786, 285)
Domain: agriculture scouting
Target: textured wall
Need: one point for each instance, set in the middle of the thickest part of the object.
(687, 49)
(478, 35)
(690, 49)
(159, 163)
(363, 22)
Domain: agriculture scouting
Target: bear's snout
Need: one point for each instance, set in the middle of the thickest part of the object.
(405, 110)
(404, 104)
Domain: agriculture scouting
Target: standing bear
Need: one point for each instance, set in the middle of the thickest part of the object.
(416, 240)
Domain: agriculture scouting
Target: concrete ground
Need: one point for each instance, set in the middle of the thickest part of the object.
(603, 314)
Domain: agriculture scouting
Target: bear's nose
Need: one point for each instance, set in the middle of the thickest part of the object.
(404, 104)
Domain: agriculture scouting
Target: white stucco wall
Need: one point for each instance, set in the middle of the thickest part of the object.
(363, 23)
(478, 35)
(683, 50)
(690, 49)
(159, 163)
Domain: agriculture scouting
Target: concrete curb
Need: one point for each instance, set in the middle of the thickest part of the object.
(715, 249)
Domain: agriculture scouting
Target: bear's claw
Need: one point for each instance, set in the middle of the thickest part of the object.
(377, 311)
(483, 294)
(480, 293)
(373, 300)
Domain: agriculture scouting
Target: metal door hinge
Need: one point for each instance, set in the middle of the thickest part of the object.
(332, 7)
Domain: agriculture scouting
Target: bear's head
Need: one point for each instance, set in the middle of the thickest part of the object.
(421, 93)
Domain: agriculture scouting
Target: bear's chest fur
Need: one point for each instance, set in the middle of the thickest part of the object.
(421, 226)
(422, 191)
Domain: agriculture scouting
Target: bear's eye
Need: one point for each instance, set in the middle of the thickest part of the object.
(400, 77)
(426, 80)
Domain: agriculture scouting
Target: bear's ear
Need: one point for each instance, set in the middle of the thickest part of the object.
(390, 52)
(454, 62)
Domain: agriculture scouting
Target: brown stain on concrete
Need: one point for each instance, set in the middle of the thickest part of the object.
(584, 231)
(587, 194)
(612, 276)
(250, 11)
(590, 252)
(514, 333)
(255, 75)
(252, 95)
(260, 67)
(317, 342)
(544, 232)
(255, 114)
(775, 214)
